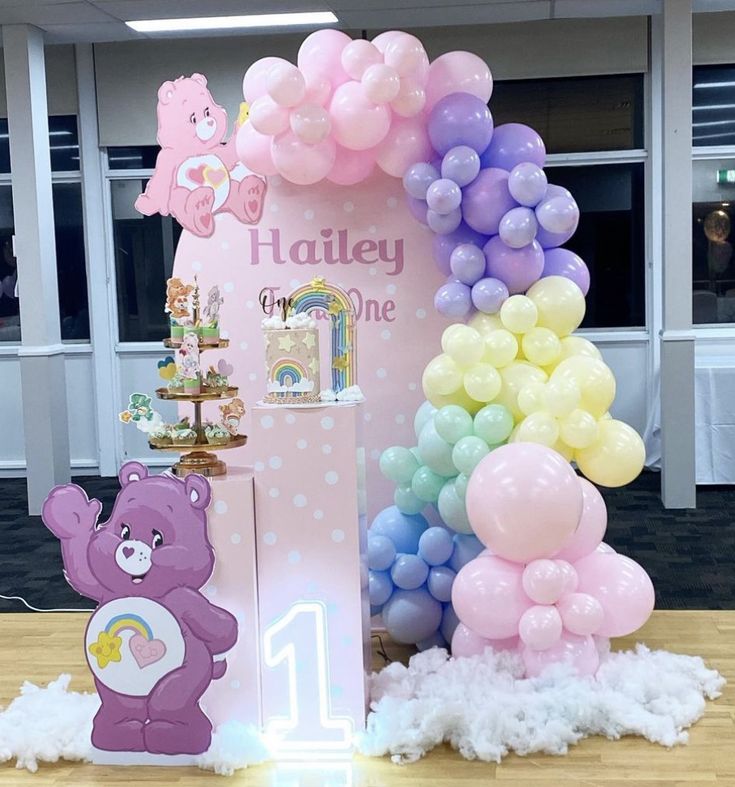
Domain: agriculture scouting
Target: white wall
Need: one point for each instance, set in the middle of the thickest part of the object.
(61, 83)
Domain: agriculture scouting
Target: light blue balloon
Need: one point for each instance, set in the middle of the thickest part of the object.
(434, 641)
(436, 546)
(409, 572)
(403, 530)
(449, 623)
(423, 415)
(426, 484)
(493, 423)
(381, 552)
(439, 583)
(435, 452)
(411, 616)
(452, 423)
(406, 501)
(398, 464)
(468, 452)
(452, 509)
(380, 588)
(466, 547)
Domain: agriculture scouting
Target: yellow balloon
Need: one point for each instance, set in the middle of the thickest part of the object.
(541, 346)
(515, 375)
(518, 314)
(463, 344)
(513, 438)
(563, 449)
(531, 398)
(501, 347)
(577, 345)
(561, 396)
(615, 458)
(578, 429)
(460, 398)
(484, 323)
(441, 377)
(560, 304)
(594, 378)
(482, 382)
(540, 427)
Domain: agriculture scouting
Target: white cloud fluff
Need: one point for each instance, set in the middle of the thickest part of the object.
(483, 708)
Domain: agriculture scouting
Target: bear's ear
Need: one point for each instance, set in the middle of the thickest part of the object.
(200, 78)
(132, 471)
(166, 92)
(198, 491)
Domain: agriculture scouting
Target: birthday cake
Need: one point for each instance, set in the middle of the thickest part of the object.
(291, 359)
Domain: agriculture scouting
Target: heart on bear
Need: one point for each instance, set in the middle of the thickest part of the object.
(146, 651)
(206, 175)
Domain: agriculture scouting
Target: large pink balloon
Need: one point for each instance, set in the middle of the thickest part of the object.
(581, 652)
(406, 143)
(351, 166)
(254, 150)
(255, 81)
(458, 72)
(466, 642)
(320, 56)
(301, 163)
(406, 54)
(622, 587)
(488, 597)
(591, 528)
(382, 40)
(523, 501)
(357, 123)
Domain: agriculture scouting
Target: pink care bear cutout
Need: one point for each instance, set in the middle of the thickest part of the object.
(152, 641)
(198, 174)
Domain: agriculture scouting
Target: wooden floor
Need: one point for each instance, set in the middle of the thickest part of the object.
(40, 647)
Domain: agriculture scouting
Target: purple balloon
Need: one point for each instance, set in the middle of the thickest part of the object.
(444, 245)
(444, 223)
(518, 269)
(512, 144)
(461, 164)
(527, 184)
(418, 208)
(550, 240)
(453, 299)
(460, 119)
(558, 214)
(486, 200)
(518, 227)
(467, 263)
(552, 190)
(443, 196)
(418, 178)
(489, 294)
(563, 262)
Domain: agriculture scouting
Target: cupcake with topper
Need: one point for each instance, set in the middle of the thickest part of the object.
(218, 379)
(209, 322)
(216, 434)
(179, 307)
(182, 433)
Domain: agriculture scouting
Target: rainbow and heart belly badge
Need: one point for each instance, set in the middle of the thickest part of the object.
(208, 170)
(145, 648)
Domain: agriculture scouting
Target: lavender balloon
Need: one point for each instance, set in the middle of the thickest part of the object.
(527, 184)
(453, 299)
(444, 223)
(418, 178)
(512, 144)
(518, 269)
(467, 263)
(488, 295)
(486, 200)
(461, 164)
(518, 227)
(443, 196)
(563, 262)
(418, 209)
(550, 240)
(460, 119)
(558, 214)
(552, 190)
(444, 245)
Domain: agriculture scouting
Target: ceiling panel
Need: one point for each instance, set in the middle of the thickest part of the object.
(43, 14)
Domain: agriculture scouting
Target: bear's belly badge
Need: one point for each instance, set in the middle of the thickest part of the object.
(131, 643)
(205, 170)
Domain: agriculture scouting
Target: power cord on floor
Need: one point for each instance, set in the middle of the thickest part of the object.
(36, 609)
(380, 650)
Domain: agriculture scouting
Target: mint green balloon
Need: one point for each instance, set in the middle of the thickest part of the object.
(435, 452)
(494, 423)
(452, 509)
(398, 464)
(423, 415)
(468, 452)
(406, 501)
(460, 484)
(453, 423)
(427, 484)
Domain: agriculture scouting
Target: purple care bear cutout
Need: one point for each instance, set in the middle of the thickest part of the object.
(152, 640)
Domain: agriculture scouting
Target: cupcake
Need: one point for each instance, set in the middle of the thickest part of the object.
(160, 436)
(193, 385)
(177, 333)
(183, 434)
(175, 384)
(210, 334)
(216, 434)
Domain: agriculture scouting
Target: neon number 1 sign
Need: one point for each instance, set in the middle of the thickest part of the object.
(298, 642)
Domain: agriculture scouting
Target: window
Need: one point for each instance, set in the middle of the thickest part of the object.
(713, 106)
(132, 158)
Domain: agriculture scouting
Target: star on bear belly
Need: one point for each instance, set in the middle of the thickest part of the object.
(286, 343)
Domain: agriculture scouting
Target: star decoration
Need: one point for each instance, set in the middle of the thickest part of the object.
(106, 649)
(314, 365)
(341, 362)
(319, 283)
(286, 343)
(334, 308)
(309, 340)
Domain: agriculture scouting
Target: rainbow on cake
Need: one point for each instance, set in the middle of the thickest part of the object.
(291, 359)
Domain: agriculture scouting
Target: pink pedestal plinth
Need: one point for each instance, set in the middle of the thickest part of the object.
(312, 576)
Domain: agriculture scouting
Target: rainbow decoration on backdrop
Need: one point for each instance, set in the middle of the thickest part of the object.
(336, 303)
(286, 368)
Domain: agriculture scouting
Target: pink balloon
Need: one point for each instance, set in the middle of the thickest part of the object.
(544, 581)
(578, 651)
(301, 163)
(358, 56)
(406, 143)
(458, 72)
(466, 642)
(523, 501)
(380, 83)
(622, 587)
(605, 549)
(320, 56)
(381, 41)
(571, 580)
(406, 54)
(351, 166)
(411, 98)
(255, 81)
(592, 525)
(318, 90)
(357, 123)
(488, 597)
(286, 84)
(581, 613)
(254, 150)
(540, 627)
(268, 117)
(310, 123)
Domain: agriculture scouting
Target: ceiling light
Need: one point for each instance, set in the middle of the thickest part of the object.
(232, 22)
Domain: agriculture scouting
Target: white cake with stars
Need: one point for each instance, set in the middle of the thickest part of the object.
(291, 359)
